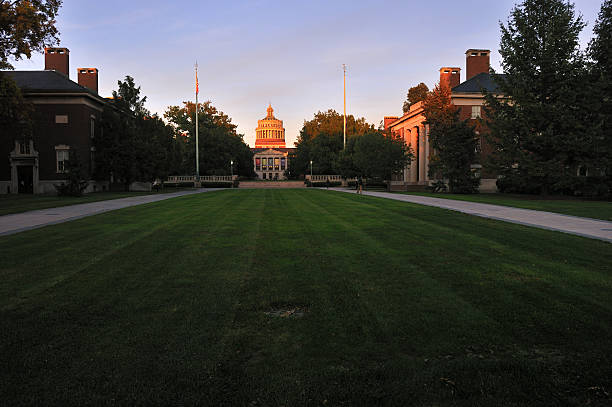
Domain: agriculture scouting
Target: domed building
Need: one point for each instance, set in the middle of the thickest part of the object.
(270, 155)
(270, 132)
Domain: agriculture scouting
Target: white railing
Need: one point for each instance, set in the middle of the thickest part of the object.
(175, 179)
(316, 178)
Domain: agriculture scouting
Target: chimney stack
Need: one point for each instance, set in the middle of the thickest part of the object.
(477, 61)
(57, 59)
(88, 77)
(388, 120)
(450, 77)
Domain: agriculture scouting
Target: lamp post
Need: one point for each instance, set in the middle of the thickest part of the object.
(232, 171)
(311, 171)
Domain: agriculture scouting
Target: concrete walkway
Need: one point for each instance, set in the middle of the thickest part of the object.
(18, 222)
(592, 228)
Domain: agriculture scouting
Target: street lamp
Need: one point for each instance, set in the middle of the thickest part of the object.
(311, 171)
(232, 171)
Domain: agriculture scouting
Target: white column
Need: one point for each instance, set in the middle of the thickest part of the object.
(415, 151)
(421, 153)
(426, 129)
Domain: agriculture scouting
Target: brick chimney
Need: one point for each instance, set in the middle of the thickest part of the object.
(57, 59)
(88, 77)
(477, 61)
(388, 120)
(450, 76)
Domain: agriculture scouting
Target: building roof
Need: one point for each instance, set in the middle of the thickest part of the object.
(47, 82)
(284, 150)
(478, 83)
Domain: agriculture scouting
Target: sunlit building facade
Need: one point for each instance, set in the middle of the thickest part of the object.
(270, 155)
(469, 99)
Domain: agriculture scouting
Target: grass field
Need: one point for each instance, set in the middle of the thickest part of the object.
(17, 203)
(303, 297)
(568, 206)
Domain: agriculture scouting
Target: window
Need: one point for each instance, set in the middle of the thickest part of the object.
(475, 112)
(61, 119)
(62, 154)
(92, 128)
(283, 161)
(24, 147)
(264, 175)
(258, 164)
(276, 163)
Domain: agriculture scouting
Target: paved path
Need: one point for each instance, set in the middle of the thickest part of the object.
(593, 228)
(18, 222)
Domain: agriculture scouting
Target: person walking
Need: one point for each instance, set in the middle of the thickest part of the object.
(360, 185)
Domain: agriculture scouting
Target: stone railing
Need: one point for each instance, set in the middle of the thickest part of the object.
(318, 178)
(177, 179)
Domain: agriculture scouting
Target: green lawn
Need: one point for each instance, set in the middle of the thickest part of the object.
(16, 203)
(567, 206)
(169, 302)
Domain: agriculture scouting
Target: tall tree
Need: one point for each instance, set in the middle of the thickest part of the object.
(415, 94)
(219, 142)
(26, 26)
(135, 144)
(540, 137)
(600, 52)
(453, 140)
(321, 140)
(378, 156)
(15, 111)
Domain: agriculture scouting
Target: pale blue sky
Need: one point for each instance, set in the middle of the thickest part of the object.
(286, 52)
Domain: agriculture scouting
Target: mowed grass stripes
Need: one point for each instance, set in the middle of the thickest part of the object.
(405, 304)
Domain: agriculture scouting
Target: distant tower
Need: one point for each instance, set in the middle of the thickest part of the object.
(270, 132)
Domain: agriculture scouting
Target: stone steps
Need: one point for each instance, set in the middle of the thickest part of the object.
(271, 184)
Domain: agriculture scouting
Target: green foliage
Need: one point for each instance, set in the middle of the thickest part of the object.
(134, 145)
(321, 140)
(600, 89)
(15, 112)
(26, 26)
(76, 179)
(415, 94)
(543, 136)
(218, 144)
(454, 143)
(378, 156)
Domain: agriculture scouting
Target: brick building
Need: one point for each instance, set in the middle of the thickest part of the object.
(66, 117)
(468, 97)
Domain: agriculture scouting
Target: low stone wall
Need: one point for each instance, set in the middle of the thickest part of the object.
(488, 185)
(271, 184)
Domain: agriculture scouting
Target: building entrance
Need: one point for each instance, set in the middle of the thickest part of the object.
(25, 179)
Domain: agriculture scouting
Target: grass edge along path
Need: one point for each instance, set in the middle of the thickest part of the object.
(574, 207)
(406, 305)
(19, 203)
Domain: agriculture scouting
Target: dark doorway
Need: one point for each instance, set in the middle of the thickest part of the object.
(25, 179)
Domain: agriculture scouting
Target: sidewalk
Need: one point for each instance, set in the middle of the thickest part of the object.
(592, 228)
(19, 222)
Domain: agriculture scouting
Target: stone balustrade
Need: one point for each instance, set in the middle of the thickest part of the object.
(177, 179)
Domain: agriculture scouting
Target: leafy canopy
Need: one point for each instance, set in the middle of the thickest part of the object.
(26, 26)
(540, 137)
(453, 140)
(415, 94)
(218, 143)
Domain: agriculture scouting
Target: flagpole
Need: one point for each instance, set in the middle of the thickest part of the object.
(196, 126)
(344, 69)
